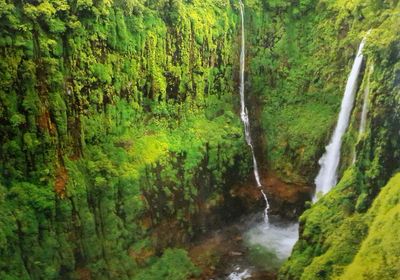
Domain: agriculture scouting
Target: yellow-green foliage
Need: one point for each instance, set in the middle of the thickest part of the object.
(339, 244)
(127, 110)
(301, 54)
(330, 235)
(336, 226)
(379, 254)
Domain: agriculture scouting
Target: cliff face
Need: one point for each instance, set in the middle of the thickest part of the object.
(118, 132)
(301, 54)
(336, 233)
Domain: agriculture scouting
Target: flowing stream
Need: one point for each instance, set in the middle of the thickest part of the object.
(329, 162)
(244, 113)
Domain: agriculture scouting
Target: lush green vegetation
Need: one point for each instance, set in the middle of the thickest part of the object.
(378, 256)
(337, 229)
(118, 134)
(338, 243)
(301, 55)
(120, 138)
(173, 265)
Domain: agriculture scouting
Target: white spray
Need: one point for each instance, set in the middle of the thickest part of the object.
(244, 114)
(329, 162)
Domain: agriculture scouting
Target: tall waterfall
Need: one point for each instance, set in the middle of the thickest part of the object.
(329, 162)
(244, 113)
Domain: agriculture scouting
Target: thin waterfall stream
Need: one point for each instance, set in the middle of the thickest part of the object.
(271, 239)
(244, 113)
(275, 237)
(364, 111)
(329, 162)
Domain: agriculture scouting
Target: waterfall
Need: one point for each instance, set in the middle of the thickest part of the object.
(364, 112)
(329, 162)
(244, 113)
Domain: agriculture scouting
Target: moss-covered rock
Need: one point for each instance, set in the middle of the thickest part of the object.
(115, 118)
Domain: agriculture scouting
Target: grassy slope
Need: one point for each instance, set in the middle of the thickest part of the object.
(379, 255)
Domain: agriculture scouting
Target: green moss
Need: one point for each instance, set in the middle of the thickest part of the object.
(378, 256)
(173, 265)
(299, 62)
(105, 114)
(116, 116)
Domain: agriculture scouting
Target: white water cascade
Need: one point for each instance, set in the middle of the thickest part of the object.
(244, 113)
(239, 275)
(278, 239)
(329, 162)
(364, 111)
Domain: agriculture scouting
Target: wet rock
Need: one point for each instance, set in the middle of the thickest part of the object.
(286, 199)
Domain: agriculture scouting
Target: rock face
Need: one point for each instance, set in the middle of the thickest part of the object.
(106, 155)
(336, 229)
(119, 133)
(286, 199)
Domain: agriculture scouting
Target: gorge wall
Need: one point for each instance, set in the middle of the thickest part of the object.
(120, 132)
(301, 54)
(342, 228)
